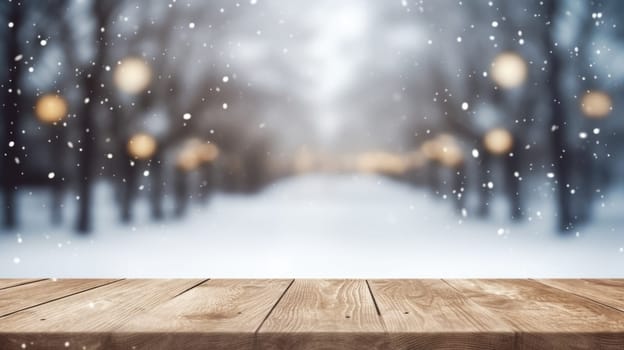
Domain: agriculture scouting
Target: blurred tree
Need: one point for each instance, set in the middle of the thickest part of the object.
(93, 84)
(11, 100)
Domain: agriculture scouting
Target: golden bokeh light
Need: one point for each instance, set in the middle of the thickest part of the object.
(188, 159)
(381, 162)
(451, 156)
(142, 146)
(498, 141)
(51, 108)
(509, 70)
(207, 152)
(445, 149)
(448, 151)
(428, 149)
(596, 104)
(132, 75)
(194, 153)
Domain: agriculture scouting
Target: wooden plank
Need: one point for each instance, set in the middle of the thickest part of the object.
(420, 314)
(219, 314)
(313, 314)
(86, 320)
(606, 291)
(546, 317)
(28, 295)
(13, 282)
(323, 314)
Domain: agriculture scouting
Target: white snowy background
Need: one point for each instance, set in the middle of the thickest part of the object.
(319, 226)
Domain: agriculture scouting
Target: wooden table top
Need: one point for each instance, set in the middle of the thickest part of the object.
(311, 314)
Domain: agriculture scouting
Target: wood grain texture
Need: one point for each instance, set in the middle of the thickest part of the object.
(86, 319)
(313, 314)
(324, 314)
(420, 314)
(219, 314)
(545, 317)
(8, 283)
(606, 291)
(28, 295)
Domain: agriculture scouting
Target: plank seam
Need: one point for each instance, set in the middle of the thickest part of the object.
(23, 283)
(191, 287)
(274, 306)
(455, 289)
(370, 290)
(381, 318)
(578, 295)
(59, 298)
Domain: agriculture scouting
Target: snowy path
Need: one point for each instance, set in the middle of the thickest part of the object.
(316, 226)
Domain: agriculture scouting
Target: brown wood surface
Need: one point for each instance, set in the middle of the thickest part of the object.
(430, 313)
(312, 314)
(28, 295)
(86, 319)
(214, 313)
(608, 292)
(8, 283)
(545, 317)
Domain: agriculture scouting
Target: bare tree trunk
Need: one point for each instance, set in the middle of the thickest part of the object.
(181, 192)
(512, 165)
(11, 99)
(58, 183)
(560, 154)
(157, 184)
(56, 213)
(87, 154)
(93, 80)
(588, 177)
(129, 188)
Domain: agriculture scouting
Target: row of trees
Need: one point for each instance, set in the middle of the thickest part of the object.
(530, 95)
(120, 102)
(497, 93)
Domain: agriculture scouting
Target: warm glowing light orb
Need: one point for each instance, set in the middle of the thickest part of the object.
(188, 159)
(207, 152)
(444, 149)
(596, 104)
(498, 141)
(132, 75)
(142, 146)
(448, 151)
(381, 162)
(509, 70)
(51, 108)
(194, 153)
(451, 156)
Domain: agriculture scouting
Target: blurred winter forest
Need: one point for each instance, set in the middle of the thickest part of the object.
(170, 102)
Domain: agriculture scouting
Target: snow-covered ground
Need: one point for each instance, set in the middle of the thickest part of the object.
(315, 226)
